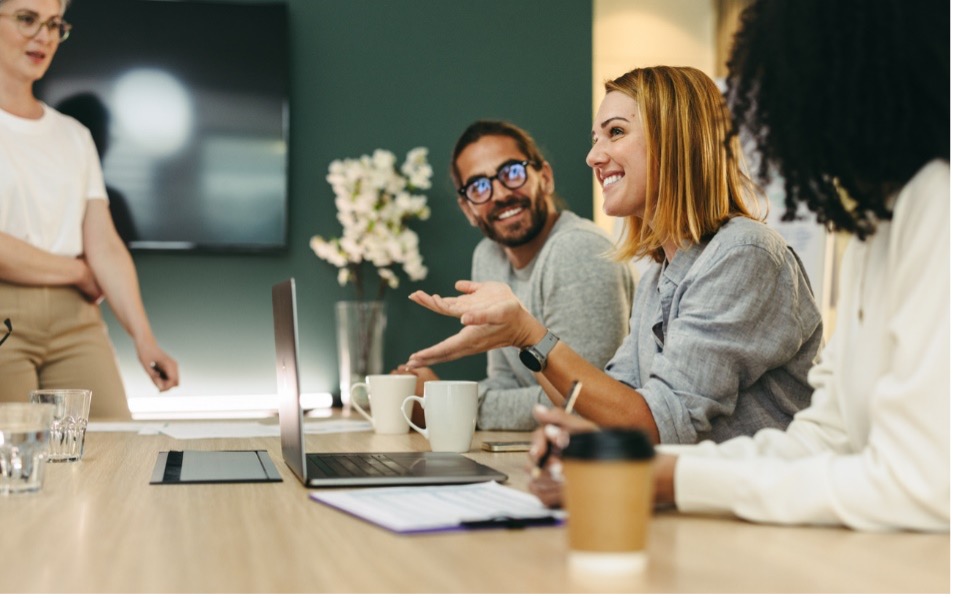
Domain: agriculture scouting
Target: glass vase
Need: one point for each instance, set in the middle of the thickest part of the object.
(360, 335)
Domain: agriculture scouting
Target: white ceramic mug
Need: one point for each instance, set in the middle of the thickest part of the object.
(386, 394)
(450, 408)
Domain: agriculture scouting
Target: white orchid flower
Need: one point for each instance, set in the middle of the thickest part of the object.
(374, 201)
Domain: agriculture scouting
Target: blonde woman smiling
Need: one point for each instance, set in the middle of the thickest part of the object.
(724, 325)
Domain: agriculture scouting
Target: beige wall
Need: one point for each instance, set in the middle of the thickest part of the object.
(634, 33)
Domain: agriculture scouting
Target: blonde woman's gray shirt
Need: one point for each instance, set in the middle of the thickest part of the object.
(577, 292)
(723, 337)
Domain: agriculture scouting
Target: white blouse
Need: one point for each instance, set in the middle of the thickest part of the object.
(872, 452)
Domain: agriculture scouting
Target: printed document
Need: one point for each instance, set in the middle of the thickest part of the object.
(410, 509)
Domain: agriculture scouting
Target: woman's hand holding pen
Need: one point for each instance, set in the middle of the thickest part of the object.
(555, 427)
(162, 369)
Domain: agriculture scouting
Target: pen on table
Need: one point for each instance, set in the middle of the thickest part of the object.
(509, 522)
(574, 391)
(159, 370)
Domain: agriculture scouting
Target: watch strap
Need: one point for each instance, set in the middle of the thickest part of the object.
(534, 357)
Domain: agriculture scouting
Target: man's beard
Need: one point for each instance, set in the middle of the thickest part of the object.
(539, 214)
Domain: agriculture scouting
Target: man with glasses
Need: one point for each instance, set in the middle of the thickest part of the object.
(554, 261)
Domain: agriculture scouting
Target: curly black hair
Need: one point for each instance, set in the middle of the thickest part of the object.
(843, 97)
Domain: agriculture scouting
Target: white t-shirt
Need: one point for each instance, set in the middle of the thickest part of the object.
(49, 169)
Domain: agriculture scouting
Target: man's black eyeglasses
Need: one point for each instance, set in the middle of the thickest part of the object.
(9, 330)
(479, 189)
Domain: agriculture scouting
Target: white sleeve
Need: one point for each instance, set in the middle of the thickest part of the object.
(93, 172)
(900, 477)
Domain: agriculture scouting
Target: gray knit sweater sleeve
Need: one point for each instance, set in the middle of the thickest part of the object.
(582, 296)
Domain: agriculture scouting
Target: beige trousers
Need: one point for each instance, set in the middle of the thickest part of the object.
(59, 340)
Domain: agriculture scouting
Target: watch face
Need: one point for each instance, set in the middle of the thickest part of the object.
(531, 359)
(534, 357)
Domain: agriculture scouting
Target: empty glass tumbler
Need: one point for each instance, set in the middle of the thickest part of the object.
(24, 443)
(70, 416)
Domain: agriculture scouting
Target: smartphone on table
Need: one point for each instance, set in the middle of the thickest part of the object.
(506, 446)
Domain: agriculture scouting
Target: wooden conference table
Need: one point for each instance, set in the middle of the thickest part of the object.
(98, 526)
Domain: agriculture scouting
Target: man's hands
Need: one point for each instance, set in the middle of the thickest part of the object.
(423, 375)
(491, 315)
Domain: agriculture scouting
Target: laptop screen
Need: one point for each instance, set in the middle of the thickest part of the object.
(349, 469)
(286, 365)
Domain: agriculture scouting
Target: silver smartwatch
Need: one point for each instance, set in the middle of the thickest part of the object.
(534, 357)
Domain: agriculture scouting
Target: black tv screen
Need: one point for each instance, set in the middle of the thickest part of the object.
(187, 101)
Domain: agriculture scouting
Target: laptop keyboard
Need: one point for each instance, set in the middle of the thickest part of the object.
(353, 465)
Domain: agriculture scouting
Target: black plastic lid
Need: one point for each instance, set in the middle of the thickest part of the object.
(609, 444)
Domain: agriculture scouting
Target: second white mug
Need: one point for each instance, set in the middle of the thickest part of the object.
(450, 408)
(386, 393)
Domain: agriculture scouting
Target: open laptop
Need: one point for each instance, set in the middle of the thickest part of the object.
(349, 469)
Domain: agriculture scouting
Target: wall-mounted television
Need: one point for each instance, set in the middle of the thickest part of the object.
(194, 94)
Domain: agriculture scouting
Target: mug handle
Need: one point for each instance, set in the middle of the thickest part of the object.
(404, 411)
(358, 407)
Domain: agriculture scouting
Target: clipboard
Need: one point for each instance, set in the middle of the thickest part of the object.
(444, 508)
(213, 467)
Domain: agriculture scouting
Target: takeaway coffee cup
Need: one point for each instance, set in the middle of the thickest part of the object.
(450, 408)
(608, 495)
(386, 394)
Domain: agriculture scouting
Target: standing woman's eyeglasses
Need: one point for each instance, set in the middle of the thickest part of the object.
(9, 330)
(29, 24)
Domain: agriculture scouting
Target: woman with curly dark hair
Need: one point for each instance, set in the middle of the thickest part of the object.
(849, 102)
(844, 99)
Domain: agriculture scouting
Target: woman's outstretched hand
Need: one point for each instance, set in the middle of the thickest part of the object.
(491, 315)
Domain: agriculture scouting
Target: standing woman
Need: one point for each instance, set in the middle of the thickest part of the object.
(60, 254)
(724, 325)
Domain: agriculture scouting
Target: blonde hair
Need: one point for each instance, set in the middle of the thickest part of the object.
(696, 177)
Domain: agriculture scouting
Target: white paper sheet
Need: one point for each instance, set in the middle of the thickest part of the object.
(194, 430)
(335, 425)
(140, 427)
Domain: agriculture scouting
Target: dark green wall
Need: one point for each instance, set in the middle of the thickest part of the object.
(369, 74)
